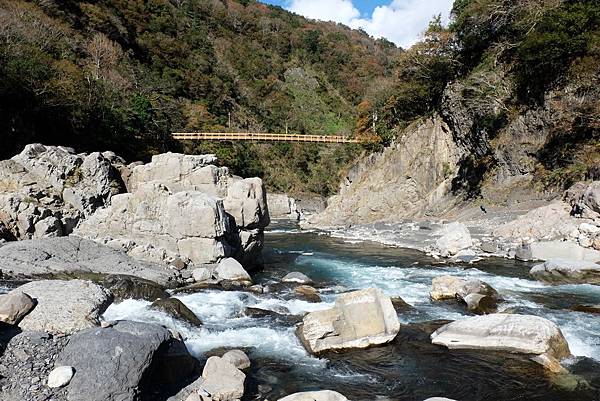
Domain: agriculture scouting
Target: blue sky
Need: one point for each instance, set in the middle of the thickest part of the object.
(401, 21)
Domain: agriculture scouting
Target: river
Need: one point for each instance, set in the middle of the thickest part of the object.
(410, 368)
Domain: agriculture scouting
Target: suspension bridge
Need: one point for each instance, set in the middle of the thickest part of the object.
(260, 136)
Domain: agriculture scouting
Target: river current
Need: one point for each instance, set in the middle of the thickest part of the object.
(408, 369)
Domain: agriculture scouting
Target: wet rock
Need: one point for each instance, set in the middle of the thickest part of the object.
(64, 306)
(15, 305)
(400, 305)
(509, 333)
(480, 304)
(451, 287)
(75, 257)
(237, 358)
(296, 277)
(110, 363)
(323, 395)
(358, 320)
(439, 399)
(587, 308)
(562, 271)
(455, 237)
(177, 309)
(60, 376)
(130, 287)
(308, 293)
(231, 270)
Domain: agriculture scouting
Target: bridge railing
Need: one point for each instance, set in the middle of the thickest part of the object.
(261, 136)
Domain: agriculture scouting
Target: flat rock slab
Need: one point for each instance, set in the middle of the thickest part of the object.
(524, 334)
(109, 362)
(563, 271)
(74, 255)
(64, 307)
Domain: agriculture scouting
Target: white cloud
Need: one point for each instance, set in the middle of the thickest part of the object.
(401, 21)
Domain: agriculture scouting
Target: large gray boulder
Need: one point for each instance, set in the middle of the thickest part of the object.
(323, 395)
(564, 271)
(230, 269)
(546, 250)
(64, 307)
(451, 287)
(46, 190)
(110, 363)
(359, 319)
(512, 333)
(77, 257)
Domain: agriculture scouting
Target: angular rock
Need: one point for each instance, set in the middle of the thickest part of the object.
(237, 358)
(201, 274)
(111, 362)
(323, 395)
(64, 307)
(505, 332)
(480, 304)
(74, 256)
(246, 201)
(296, 277)
(283, 207)
(358, 320)
(222, 380)
(454, 238)
(15, 305)
(591, 197)
(563, 271)
(177, 309)
(231, 270)
(60, 376)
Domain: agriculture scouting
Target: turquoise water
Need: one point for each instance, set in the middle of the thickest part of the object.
(410, 368)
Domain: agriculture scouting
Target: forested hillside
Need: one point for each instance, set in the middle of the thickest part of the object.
(518, 83)
(122, 75)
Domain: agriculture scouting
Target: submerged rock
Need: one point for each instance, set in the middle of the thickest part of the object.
(358, 320)
(587, 308)
(64, 307)
(512, 333)
(15, 305)
(308, 293)
(177, 309)
(562, 271)
(323, 395)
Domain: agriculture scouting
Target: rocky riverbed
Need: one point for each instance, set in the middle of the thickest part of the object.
(175, 287)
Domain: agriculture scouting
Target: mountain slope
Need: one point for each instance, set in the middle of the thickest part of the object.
(122, 75)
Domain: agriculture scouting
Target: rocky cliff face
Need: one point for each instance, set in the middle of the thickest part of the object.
(410, 178)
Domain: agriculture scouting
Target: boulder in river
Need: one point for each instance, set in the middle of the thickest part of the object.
(454, 238)
(130, 287)
(230, 269)
(512, 333)
(237, 358)
(545, 250)
(323, 395)
(64, 307)
(110, 363)
(296, 277)
(15, 305)
(308, 293)
(451, 287)
(177, 309)
(281, 206)
(359, 319)
(563, 271)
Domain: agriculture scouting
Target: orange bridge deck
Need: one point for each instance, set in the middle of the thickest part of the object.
(256, 136)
